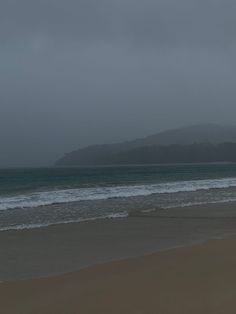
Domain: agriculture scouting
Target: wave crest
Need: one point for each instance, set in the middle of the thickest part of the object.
(100, 193)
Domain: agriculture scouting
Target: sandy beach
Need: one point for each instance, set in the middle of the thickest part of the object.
(58, 249)
(173, 261)
(198, 279)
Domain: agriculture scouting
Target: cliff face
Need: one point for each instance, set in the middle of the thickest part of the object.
(190, 144)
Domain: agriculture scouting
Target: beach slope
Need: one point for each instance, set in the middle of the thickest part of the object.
(197, 279)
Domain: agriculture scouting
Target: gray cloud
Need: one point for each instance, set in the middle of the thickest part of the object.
(74, 73)
(171, 22)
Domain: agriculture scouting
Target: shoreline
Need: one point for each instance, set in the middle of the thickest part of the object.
(64, 248)
(195, 279)
(156, 212)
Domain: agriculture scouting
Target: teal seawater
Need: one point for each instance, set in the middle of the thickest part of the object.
(37, 197)
(17, 181)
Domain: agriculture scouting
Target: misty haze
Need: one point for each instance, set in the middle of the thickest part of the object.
(76, 73)
(117, 157)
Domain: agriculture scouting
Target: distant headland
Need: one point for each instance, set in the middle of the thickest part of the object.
(192, 144)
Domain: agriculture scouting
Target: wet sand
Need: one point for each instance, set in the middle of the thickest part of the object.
(197, 279)
(77, 274)
(70, 247)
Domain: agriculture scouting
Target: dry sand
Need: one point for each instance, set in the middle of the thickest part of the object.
(199, 279)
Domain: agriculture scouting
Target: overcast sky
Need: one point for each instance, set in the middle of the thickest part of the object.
(78, 72)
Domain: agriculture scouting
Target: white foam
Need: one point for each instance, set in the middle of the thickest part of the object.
(119, 215)
(189, 204)
(100, 193)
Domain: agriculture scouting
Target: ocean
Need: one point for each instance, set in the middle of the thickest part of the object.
(31, 198)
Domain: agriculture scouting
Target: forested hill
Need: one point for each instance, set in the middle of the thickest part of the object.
(203, 143)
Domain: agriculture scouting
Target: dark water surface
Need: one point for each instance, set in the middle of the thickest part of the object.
(39, 197)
